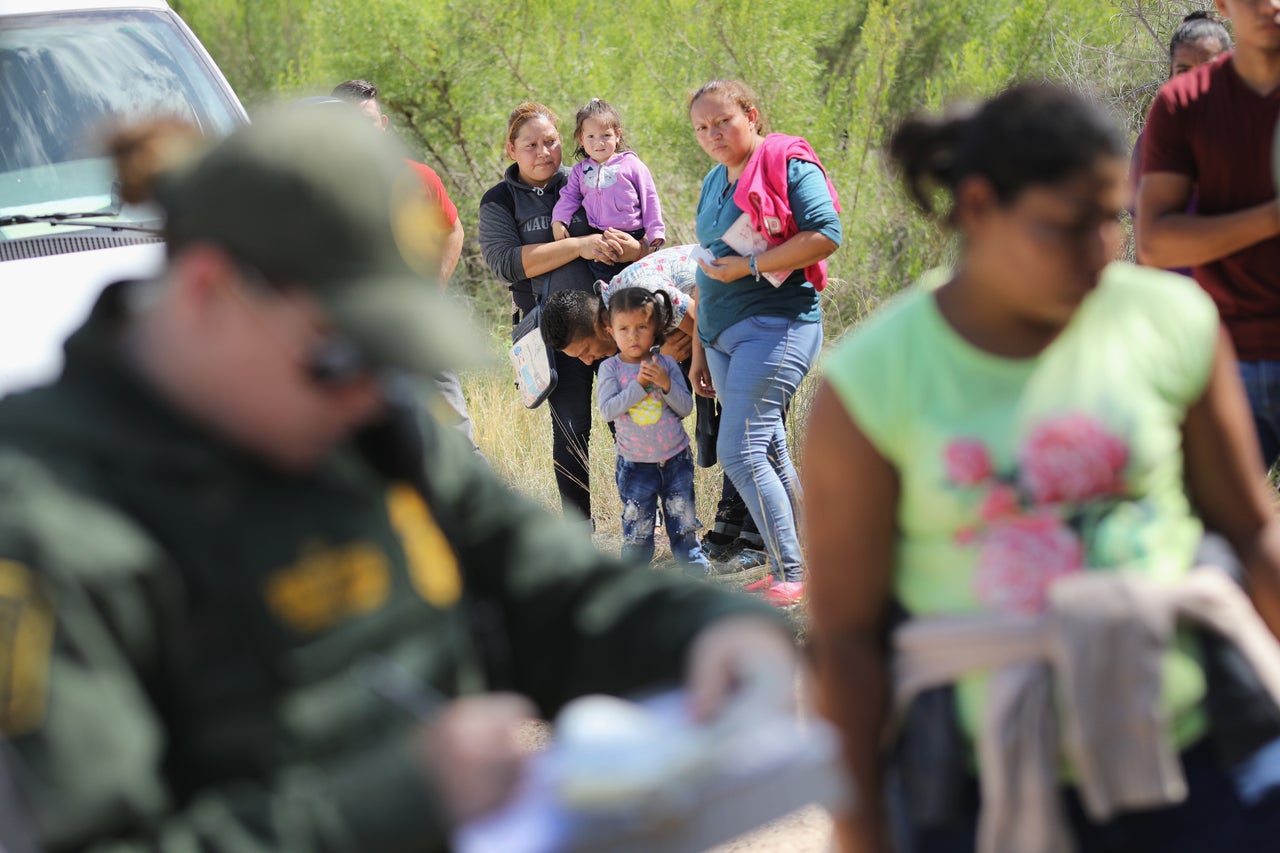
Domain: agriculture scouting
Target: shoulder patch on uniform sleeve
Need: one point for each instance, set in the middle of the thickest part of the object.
(433, 566)
(26, 648)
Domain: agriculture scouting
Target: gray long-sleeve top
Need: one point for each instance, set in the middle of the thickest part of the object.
(513, 215)
(648, 421)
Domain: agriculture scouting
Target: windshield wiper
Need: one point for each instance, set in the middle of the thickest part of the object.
(77, 219)
(51, 218)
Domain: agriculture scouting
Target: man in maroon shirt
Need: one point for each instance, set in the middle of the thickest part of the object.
(1210, 132)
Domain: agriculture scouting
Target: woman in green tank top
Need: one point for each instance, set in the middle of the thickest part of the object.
(1038, 411)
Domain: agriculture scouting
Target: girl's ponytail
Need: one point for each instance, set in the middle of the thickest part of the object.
(924, 149)
(663, 311)
(1030, 134)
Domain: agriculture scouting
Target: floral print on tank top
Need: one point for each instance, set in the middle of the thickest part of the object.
(1034, 522)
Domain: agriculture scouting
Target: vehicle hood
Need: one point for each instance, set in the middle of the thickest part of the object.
(45, 299)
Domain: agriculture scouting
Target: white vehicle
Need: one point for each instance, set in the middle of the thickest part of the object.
(69, 69)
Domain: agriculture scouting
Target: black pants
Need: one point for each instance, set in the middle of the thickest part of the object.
(602, 271)
(732, 518)
(570, 406)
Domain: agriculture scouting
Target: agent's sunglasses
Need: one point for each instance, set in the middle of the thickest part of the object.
(333, 362)
(336, 361)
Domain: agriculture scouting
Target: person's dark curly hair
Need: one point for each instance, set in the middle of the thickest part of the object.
(1197, 26)
(568, 316)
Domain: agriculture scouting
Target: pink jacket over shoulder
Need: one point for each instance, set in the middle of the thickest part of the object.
(762, 193)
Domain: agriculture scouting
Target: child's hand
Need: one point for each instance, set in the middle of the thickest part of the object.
(559, 230)
(653, 373)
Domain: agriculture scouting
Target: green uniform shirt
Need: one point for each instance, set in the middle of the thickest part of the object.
(187, 636)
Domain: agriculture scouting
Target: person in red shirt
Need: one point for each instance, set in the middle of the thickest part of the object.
(1210, 132)
(364, 96)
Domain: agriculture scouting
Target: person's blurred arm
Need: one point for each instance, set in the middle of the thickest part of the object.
(851, 500)
(1227, 483)
(449, 226)
(450, 252)
(1167, 236)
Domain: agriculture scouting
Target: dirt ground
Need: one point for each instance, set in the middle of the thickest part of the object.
(805, 831)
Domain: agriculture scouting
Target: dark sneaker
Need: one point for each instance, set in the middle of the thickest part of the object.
(718, 546)
(745, 559)
(742, 568)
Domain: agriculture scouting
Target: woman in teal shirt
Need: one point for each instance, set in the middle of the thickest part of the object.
(757, 339)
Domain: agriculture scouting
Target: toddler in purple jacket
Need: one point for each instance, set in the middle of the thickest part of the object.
(611, 183)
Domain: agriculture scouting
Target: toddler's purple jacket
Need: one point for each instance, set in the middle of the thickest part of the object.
(618, 193)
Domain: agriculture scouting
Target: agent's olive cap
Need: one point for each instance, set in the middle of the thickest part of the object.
(313, 196)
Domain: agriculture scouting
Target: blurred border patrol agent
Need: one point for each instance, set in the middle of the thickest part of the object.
(229, 560)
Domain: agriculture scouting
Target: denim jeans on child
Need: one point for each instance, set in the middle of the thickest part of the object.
(1262, 385)
(756, 365)
(641, 485)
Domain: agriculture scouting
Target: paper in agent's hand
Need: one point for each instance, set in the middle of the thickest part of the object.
(625, 777)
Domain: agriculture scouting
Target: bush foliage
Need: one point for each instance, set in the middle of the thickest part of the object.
(839, 72)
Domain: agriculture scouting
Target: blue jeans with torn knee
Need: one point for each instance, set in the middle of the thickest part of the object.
(641, 485)
(756, 365)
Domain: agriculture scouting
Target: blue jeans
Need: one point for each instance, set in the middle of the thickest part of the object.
(1213, 817)
(1262, 385)
(757, 365)
(641, 485)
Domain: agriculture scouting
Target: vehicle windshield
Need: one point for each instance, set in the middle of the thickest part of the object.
(66, 79)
